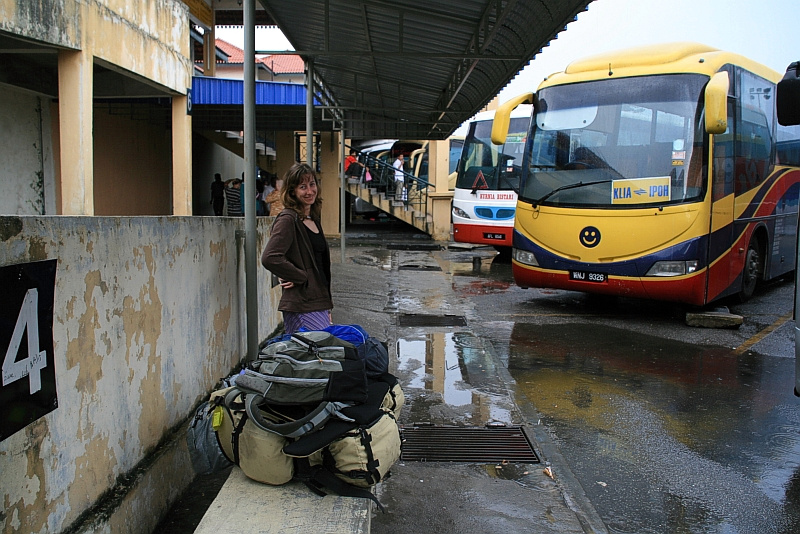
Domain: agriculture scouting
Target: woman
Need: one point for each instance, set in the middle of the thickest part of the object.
(298, 254)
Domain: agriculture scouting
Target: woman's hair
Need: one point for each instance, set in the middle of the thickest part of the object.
(294, 177)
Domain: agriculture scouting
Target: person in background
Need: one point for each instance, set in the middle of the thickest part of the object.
(233, 196)
(399, 177)
(298, 254)
(261, 205)
(353, 167)
(218, 194)
(269, 186)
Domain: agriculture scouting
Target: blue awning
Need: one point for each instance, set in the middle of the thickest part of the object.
(221, 91)
(217, 104)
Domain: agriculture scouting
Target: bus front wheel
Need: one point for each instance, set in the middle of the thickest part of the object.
(751, 270)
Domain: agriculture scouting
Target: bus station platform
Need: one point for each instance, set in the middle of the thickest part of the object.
(244, 505)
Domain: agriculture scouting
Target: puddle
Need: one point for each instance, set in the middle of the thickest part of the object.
(698, 428)
(450, 378)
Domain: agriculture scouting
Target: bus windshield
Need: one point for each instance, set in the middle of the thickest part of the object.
(617, 143)
(487, 166)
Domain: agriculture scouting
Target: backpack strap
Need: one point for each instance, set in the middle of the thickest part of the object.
(311, 443)
(318, 479)
(230, 402)
(294, 429)
(372, 463)
(235, 438)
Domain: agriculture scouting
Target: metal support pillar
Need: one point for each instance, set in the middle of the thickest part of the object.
(342, 192)
(310, 112)
(250, 252)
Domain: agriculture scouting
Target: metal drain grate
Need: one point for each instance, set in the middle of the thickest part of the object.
(413, 246)
(414, 319)
(467, 444)
(419, 268)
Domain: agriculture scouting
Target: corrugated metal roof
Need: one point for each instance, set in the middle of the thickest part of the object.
(222, 91)
(416, 69)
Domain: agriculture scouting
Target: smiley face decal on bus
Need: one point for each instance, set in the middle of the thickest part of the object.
(589, 237)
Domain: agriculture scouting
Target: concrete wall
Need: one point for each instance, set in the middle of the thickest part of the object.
(148, 38)
(27, 154)
(148, 316)
(148, 42)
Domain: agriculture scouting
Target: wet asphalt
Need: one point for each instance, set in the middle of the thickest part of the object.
(647, 425)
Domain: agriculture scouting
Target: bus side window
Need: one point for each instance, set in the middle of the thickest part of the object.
(722, 185)
(753, 132)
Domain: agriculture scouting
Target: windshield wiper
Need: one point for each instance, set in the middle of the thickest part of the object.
(565, 187)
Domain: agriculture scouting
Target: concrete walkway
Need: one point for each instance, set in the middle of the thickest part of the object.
(246, 506)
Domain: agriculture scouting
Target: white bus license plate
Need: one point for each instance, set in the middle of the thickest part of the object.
(584, 276)
(497, 237)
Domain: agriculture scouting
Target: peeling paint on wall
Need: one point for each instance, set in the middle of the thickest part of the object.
(10, 227)
(149, 314)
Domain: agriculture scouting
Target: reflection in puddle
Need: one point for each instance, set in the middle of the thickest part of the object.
(459, 369)
(442, 375)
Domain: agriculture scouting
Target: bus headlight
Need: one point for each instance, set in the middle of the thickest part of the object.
(523, 256)
(672, 268)
(458, 212)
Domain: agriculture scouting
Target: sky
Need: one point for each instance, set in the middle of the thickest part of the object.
(767, 31)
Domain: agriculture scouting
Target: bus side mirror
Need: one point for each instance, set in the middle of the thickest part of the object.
(717, 103)
(502, 117)
(788, 97)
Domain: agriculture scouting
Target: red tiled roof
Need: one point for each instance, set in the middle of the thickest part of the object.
(277, 63)
(235, 55)
(284, 64)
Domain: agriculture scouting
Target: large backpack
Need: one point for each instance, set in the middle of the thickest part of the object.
(313, 370)
(305, 409)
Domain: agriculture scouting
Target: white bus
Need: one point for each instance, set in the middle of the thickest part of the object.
(485, 195)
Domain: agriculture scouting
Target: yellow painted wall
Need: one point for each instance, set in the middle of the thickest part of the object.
(149, 38)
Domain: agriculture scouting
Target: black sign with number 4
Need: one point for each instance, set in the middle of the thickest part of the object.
(28, 389)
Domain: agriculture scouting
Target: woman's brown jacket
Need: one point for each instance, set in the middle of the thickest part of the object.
(289, 255)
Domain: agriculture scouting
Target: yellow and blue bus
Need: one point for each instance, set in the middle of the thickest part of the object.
(655, 173)
(485, 195)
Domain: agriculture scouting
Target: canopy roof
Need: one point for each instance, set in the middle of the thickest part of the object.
(415, 69)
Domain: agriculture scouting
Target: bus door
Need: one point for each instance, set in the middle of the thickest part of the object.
(721, 231)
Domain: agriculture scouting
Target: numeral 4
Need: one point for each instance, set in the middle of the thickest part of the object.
(31, 366)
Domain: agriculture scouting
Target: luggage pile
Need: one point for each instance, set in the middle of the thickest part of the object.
(317, 406)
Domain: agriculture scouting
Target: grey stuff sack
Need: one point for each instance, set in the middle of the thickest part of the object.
(204, 450)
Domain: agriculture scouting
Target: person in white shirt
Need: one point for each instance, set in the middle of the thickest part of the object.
(399, 177)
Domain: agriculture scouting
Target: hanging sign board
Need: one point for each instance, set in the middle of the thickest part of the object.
(28, 387)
